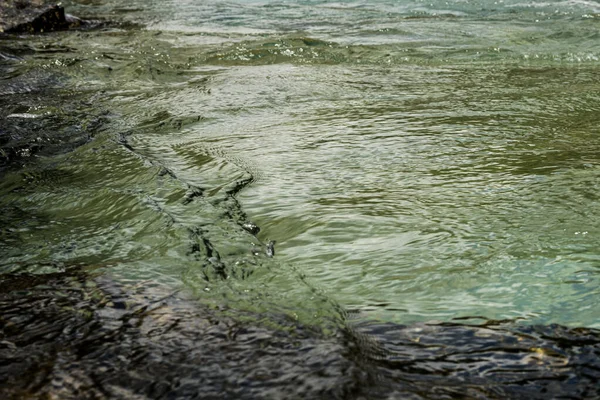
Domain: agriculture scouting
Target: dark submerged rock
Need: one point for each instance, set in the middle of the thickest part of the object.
(251, 228)
(271, 248)
(24, 137)
(35, 16)
(75, 334)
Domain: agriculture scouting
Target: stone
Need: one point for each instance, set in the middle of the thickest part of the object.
(34, 16)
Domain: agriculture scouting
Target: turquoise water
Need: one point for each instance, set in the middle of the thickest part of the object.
(413, 161)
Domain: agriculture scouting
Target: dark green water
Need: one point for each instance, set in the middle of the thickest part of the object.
(420, 165)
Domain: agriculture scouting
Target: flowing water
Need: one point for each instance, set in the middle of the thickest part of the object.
(429, 173)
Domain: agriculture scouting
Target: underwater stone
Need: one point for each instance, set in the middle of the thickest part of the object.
(251, 228)
(271, 248)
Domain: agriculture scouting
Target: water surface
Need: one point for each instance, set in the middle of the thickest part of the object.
(415, 162)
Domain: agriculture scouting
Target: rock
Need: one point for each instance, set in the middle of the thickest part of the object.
(271, 248)
(34, 16)
(251, 228)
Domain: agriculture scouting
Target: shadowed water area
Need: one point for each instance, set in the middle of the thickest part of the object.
(425, 178)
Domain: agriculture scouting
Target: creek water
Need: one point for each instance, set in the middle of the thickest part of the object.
(428, 171)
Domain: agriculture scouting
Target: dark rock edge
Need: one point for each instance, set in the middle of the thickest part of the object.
(31, 16)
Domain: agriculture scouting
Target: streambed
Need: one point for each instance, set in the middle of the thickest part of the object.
(429, 174)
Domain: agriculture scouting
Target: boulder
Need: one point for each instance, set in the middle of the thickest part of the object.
(34, 16)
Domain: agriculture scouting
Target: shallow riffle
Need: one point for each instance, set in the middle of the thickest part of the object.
(302, 200)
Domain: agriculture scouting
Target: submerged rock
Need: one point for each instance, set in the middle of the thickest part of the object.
(35, 16)
(76, 334)
(251, 227)
(271, 248)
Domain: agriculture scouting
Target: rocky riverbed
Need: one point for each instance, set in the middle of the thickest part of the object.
(430, 179)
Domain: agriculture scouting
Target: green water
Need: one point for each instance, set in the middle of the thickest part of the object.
(414, 161)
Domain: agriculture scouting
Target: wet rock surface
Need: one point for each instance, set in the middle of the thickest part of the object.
(68, 335)
(64, 339)
(498, 360)
(35, 16)
(24, 137)
(38, 117)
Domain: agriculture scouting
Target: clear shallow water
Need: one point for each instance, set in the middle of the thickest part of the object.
(428, 170)
(414, 161)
